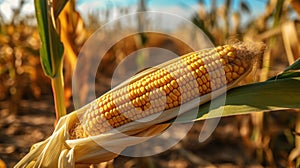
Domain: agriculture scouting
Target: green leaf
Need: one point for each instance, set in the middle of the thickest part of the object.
(294, 66)
(51, 51)
(262, 96)
(291, 71)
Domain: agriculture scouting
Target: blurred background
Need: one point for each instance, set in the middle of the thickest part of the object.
(26, 101)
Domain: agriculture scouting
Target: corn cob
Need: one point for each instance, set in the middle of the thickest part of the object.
(167, 86)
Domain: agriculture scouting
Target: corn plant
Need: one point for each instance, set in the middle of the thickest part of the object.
(18, 59)
(51, 51)
(73, 142)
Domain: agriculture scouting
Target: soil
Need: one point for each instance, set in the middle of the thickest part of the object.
(18, 132)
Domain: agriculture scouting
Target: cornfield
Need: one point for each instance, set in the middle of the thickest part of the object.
(260, 124)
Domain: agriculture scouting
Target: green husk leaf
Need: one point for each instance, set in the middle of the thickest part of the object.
(271, 95)
(51, 51)
(291, 71)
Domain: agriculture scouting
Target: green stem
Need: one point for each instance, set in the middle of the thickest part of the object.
(58, 93)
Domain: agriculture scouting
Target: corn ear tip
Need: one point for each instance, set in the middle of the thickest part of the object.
(250, 49)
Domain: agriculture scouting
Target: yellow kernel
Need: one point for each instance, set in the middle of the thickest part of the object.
(202, 69)
(169, 100)
(175, 103)
(102, 116)
(203, 78)
(219, 72)
(114, 112)
(148, 80)
(228, 75)
(110, 105)
(219, 48)
(176, 92)
(214, 65)
(142, 89)
(107, 115)
(189, 95)
(142, 100)
(134, 102)
(230, 48)
(148, 88)
(207, 67)
(241, 70)
(105, 107)
(199, 73)
(213, 85)
(200, 62)
(223, 80)
(194, 66)
(226, 69)
(218, 81)
(163, 81)
(147, 105)
(182, 80)
(115, 120)
(222, 53)
(193, 74)
(170, 86)
(213, 75)
(139, 84)
(156, 84)
(189, 67)
(171, 105)
(145, 97)
(207, 77)
(230, 67)
(173, 96)
(138, 101)
(208, 84)
(235, 68)
(167, 90)
(235, 75)
(174, 84)
(199, 81)
(226, 50)
(111, 122)
(144, 83)
(204, 87)
(122, 117)
(230, 54)
(200, 90)
(157, 102)
(118, 118)
(223, 61)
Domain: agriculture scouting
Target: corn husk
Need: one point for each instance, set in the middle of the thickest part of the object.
(59, 150)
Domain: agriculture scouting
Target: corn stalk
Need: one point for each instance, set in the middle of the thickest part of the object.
(51, 52)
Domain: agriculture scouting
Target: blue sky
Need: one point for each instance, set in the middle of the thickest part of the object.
(152, 4)
(184, 8)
